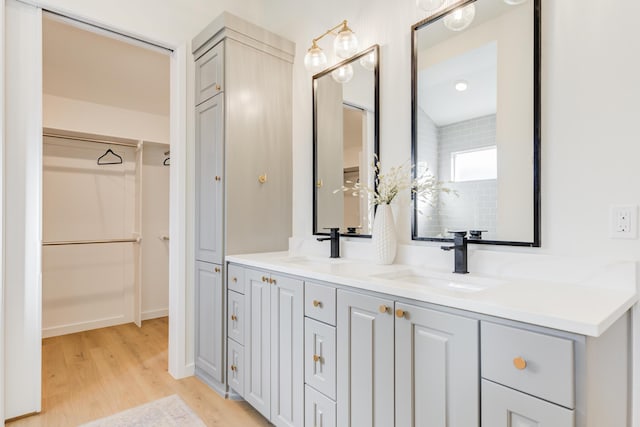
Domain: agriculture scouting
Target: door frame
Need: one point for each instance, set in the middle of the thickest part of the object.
(179, 365)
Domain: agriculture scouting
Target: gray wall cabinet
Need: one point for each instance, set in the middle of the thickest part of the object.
(242, 153)
(208, 311)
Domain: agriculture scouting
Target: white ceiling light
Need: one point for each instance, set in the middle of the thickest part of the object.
(460, 18)
(343, 74)
(429, 5)
(461, 85)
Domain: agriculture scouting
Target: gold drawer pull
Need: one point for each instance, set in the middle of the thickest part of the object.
(218, 178)
(234, 317)
(234, 368)
(519, 363)
(235, 280)
(265, 279)
(317, 303)
(217, 269)
(317, 358)
(272, 281)
(383, 308)
(218, 87)
(400, 313)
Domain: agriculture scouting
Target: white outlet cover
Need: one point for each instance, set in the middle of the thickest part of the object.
(623, 222)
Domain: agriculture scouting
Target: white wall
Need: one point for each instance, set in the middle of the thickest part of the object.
(80, 116)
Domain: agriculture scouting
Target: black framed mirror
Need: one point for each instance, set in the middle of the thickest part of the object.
(345, 143)
(476, 121)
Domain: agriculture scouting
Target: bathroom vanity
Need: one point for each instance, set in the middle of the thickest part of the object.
(321, 342)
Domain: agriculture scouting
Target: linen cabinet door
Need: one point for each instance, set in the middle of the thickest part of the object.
(209, 73)
(209, 320)
(505, 407)
(209, 174)
(257, 340)
(287, 369)
(365, 369)
(437, 372)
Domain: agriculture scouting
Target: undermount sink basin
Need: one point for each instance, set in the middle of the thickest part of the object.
(451, 282)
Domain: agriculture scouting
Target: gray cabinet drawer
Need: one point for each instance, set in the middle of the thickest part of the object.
(504, 407)
(320, 356)
(320, 302)
(235, 313)
(235, 278)
(319, 410)
(235, 372)
(531, 362)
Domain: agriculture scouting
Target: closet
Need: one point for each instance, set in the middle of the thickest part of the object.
(105, 190)
(105, 231)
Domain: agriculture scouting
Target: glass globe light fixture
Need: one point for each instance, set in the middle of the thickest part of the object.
(346, 43)
(430, 5)
(315, 60)
(460, 18)
(343, 74)
(368, 62)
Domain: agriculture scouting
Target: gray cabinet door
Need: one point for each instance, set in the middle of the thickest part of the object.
(287, 368)
(436, 369)
(365, 368)
(257, 341)
(209, 180)
(504, 407)
(208, 307)
(209, 73)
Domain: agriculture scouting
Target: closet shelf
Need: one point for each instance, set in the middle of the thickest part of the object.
(91, 242)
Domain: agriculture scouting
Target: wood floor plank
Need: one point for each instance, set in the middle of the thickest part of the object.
(97, 373)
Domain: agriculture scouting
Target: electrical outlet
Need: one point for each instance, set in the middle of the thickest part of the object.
(623, 222)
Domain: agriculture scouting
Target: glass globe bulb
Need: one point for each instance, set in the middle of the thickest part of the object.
(368, 61)
(514, 2)
(429, 5)
(343, 74)
(315, 60)
(345, 43)
(460, 18)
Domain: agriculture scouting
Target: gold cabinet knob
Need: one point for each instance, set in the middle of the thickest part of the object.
(218, 87)
(319, 183)
(262, 178)
(217, 178)
(383, 308)
(265, 279)
(234, 368)
(519, 363)
(235, 280)
(317, 303)
(272, 281)
(234, 317)
(400, 313)
(217, 269)
(317, 358)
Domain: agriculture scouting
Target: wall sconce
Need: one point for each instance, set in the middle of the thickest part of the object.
(460, 18)
(345, 45)
(429, 5)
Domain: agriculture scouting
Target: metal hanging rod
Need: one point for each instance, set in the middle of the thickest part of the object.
(99, 141)
(90, 242)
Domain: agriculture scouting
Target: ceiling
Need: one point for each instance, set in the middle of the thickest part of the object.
(90, 67)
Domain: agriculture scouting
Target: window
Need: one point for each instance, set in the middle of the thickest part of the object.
(474, 165)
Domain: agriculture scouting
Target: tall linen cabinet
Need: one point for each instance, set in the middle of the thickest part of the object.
(243, 97)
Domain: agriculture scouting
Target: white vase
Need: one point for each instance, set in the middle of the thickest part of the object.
(384, 236)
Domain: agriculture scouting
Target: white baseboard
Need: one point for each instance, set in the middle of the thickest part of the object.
(54, 331)
(154, 314)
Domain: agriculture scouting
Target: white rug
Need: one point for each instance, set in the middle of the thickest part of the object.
(166, 412)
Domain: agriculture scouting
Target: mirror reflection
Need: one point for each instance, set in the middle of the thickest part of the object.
(345, 112)
(475, 121)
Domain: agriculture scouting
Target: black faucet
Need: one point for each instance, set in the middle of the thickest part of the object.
(460, 248)
(335, 242)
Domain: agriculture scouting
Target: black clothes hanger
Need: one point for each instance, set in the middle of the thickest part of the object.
(117, 161)
(167, 161)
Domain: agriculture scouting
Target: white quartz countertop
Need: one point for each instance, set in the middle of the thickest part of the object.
(587, 307)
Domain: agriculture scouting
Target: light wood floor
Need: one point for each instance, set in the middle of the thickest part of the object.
(97, 373)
